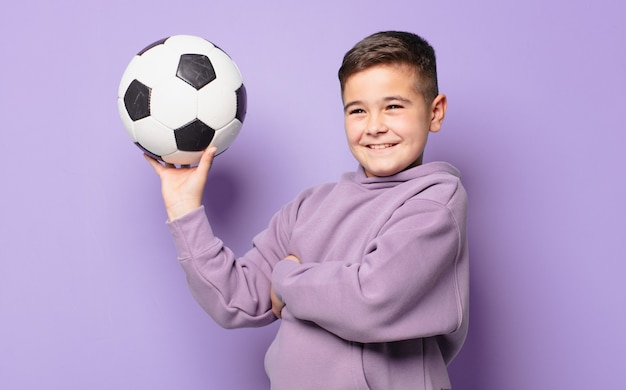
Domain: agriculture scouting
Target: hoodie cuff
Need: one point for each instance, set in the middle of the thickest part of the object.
(192, 233)
(280, 274)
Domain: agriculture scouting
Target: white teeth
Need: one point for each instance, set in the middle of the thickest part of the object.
(383, 146)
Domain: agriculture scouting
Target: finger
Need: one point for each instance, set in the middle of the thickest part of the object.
(277, 304)
(293, 258)
(158, 167)
(206, 160)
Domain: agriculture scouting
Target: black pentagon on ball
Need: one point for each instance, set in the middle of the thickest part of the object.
(194, 136)
(137, 100)
(196, 70)
(242, 103)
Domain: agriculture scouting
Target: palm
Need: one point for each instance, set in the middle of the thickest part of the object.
(182, 188)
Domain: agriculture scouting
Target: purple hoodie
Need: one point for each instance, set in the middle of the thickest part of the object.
(380, 300)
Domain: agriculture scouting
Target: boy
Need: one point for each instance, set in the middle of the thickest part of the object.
(369, 274)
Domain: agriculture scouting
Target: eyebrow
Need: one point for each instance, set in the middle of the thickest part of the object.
(384, 100)
(353, 103)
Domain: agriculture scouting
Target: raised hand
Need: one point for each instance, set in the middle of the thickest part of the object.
(182, 188)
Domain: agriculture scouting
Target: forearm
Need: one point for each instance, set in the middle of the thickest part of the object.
(235, 293)
(405, 285)
(181, 208)
(354, 311)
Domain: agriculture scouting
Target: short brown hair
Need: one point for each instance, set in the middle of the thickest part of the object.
(390, 48)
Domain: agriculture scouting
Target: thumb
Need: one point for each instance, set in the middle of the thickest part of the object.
(158, 167)
(206, 160)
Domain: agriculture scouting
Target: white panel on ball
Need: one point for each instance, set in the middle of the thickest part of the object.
(227, 135)
(182, 44)
(183, 158)
(227, 72)
(174, 103)
(156, 65)
(155, 137)
(216, 106)
(128, 76)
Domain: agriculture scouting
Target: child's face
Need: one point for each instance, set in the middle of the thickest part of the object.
(387, 120)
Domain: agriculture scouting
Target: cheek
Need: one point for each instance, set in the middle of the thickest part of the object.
(353, 132)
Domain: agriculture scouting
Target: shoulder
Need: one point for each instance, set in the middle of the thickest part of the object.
(307, 199)
(439, 182)
(315, 192)
(440, 190)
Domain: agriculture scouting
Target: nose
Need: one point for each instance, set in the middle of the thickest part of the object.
(376, 125)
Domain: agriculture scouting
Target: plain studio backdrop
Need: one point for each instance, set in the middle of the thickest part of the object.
(91, 295)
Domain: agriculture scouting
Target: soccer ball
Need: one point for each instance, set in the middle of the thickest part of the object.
(179, 96)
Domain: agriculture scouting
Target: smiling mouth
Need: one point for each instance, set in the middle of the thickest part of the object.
(380, 146)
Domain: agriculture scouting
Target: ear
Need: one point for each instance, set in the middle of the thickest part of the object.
(438, 111)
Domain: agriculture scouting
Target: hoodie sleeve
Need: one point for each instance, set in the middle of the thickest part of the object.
(235, 292)
(406, 286)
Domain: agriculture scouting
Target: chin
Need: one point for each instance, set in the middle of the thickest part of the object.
(381, 172)
(384, 172)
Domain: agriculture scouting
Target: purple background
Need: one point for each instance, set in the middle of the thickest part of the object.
(91, 295)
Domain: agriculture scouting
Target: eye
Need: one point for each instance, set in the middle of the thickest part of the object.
(394, 107)
(356, 111)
